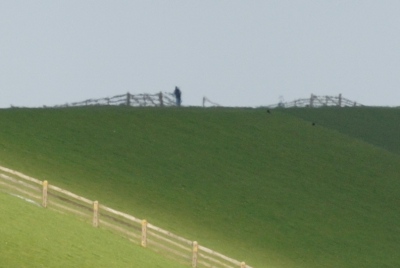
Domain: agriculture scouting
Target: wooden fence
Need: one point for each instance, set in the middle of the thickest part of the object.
(317, 101)
(208, 103)
(100, 216)
(158, 99)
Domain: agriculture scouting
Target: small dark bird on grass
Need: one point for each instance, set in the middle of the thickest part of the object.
(268, 111)
(313, 124)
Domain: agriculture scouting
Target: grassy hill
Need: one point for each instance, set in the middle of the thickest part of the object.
(375, 125)
(35, 237)
(270, 189)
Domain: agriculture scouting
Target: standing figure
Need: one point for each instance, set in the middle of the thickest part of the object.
(178, 93)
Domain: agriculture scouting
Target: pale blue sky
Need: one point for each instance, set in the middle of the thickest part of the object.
(237, 53)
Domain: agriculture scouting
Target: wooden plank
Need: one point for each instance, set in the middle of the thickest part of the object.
(127, 216)
(169, 241)
(20, 190)
(155, 228)
(212, 252)
(69, 201)
(215, 260)
(154, 243)
(122, 222)
(205, 264)
(55, 188)
(20, 182)
(19, 174)
(170, 256)
(120, 229)
(69, 209)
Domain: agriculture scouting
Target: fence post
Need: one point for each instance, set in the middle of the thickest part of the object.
(95, 213)
(144, 230)
(243, 265)
(44, 194)
(194, 254)
(340, 100)
(128, 99)
(160, 96)
(312, 100)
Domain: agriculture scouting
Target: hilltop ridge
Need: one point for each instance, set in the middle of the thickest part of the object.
(270, 189)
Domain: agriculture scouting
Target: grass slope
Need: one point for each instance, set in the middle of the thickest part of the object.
(269, 189)
(375, 125)
(31, 236)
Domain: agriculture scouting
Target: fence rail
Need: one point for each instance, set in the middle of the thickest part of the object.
(136, 230)
(128, 99)
(208, 103)
(317, 101)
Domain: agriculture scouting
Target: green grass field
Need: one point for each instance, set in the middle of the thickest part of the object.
(35, 237)
(269, 189)
(375, 125)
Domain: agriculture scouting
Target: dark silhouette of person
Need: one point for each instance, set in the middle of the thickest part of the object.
(178, 94)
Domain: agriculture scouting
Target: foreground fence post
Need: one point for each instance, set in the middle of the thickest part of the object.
(243, 265)
(194, 256)
(44, 194)
(95, 213)
(144, 230)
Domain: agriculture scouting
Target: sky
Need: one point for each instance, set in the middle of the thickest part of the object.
(236, 53)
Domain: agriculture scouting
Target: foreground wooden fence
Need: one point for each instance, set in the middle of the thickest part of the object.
(136, 230)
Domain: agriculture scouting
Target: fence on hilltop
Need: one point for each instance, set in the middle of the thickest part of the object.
(317, 101)
(136, 230)
(208, 103)
(128, 99)
(137, 100)
(168, 99)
